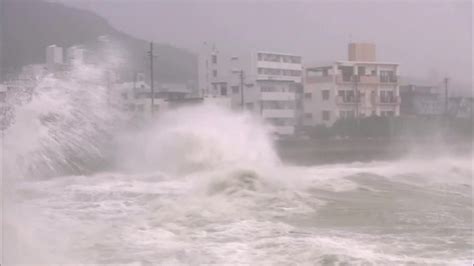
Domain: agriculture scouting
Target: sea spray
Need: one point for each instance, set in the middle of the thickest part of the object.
(65, 125)
(198, 138)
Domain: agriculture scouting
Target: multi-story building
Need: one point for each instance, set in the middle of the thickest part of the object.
(275, 80)
(212, 72)
(54, 58)
(358, 87)
(419, 100)
(461, 107)
(75, 54)
(265, 83)
(136, 97)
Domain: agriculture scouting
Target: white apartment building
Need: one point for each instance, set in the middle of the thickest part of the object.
(358, 87)
(54, 57)
(265, 83)
(136, 98)
(275, 78)
(75, 54)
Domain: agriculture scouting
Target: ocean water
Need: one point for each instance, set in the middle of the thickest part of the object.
(204, 185)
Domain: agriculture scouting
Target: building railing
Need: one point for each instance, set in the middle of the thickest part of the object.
(388, 100)
(388, 79)
(278, 96)
(284, 113)
(347, 100)
(366, 79)
(319, 79)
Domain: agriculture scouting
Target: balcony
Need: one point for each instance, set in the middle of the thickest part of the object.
(319, 79)
(278, 113)
(396, 100)
(284, 130)
(278, 96)
(343, 79)
(388, 79)
(341, 101)
(368, 80)
(363, 79)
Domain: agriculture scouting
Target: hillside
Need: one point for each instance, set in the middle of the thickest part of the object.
(29, 26)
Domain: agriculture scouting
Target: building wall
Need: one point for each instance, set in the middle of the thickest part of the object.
(274, 95)
(421, 100)
(330, 91)
(268, 80)
(54, 57)
(361, 52)
(75, 54)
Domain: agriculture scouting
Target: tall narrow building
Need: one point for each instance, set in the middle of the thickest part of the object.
(54, 58)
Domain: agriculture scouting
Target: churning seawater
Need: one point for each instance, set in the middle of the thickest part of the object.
(204, 185)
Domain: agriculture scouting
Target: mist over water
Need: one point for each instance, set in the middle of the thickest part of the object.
(206, 185)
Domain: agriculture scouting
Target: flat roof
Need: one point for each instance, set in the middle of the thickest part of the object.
(277, 53)
(318, 68)
(366, 62)
(346, 62)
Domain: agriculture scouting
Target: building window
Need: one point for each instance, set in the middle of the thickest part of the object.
(326, 115)
(325, 95)
(387, 97)
(249, 106)
(387, 113)
(307, 95)
(214, 73)
(235, 89)
(223, 90)
(308, 115)
(347, 96)
(346, 114)
(214, 59)
(269, 89)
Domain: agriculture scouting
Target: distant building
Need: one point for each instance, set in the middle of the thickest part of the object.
(277, 80)
(54, 58)
(461, 107)
(265, 83)
(75, 54)
(3, 94)
(174, 91)
(212, 72)
(359, 87)
(136, 98)
(419, 100)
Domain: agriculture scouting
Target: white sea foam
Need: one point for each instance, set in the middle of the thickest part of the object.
(204, 185)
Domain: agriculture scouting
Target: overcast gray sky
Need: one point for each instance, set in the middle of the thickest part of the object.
(428, 38)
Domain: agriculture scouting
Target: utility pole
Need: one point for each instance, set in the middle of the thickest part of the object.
(151, 55)
(242, 88)
(446, 96)
(356, 95)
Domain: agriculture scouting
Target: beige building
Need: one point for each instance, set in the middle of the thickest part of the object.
(358, 87)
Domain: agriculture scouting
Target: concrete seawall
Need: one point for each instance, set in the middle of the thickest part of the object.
(310, 152)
